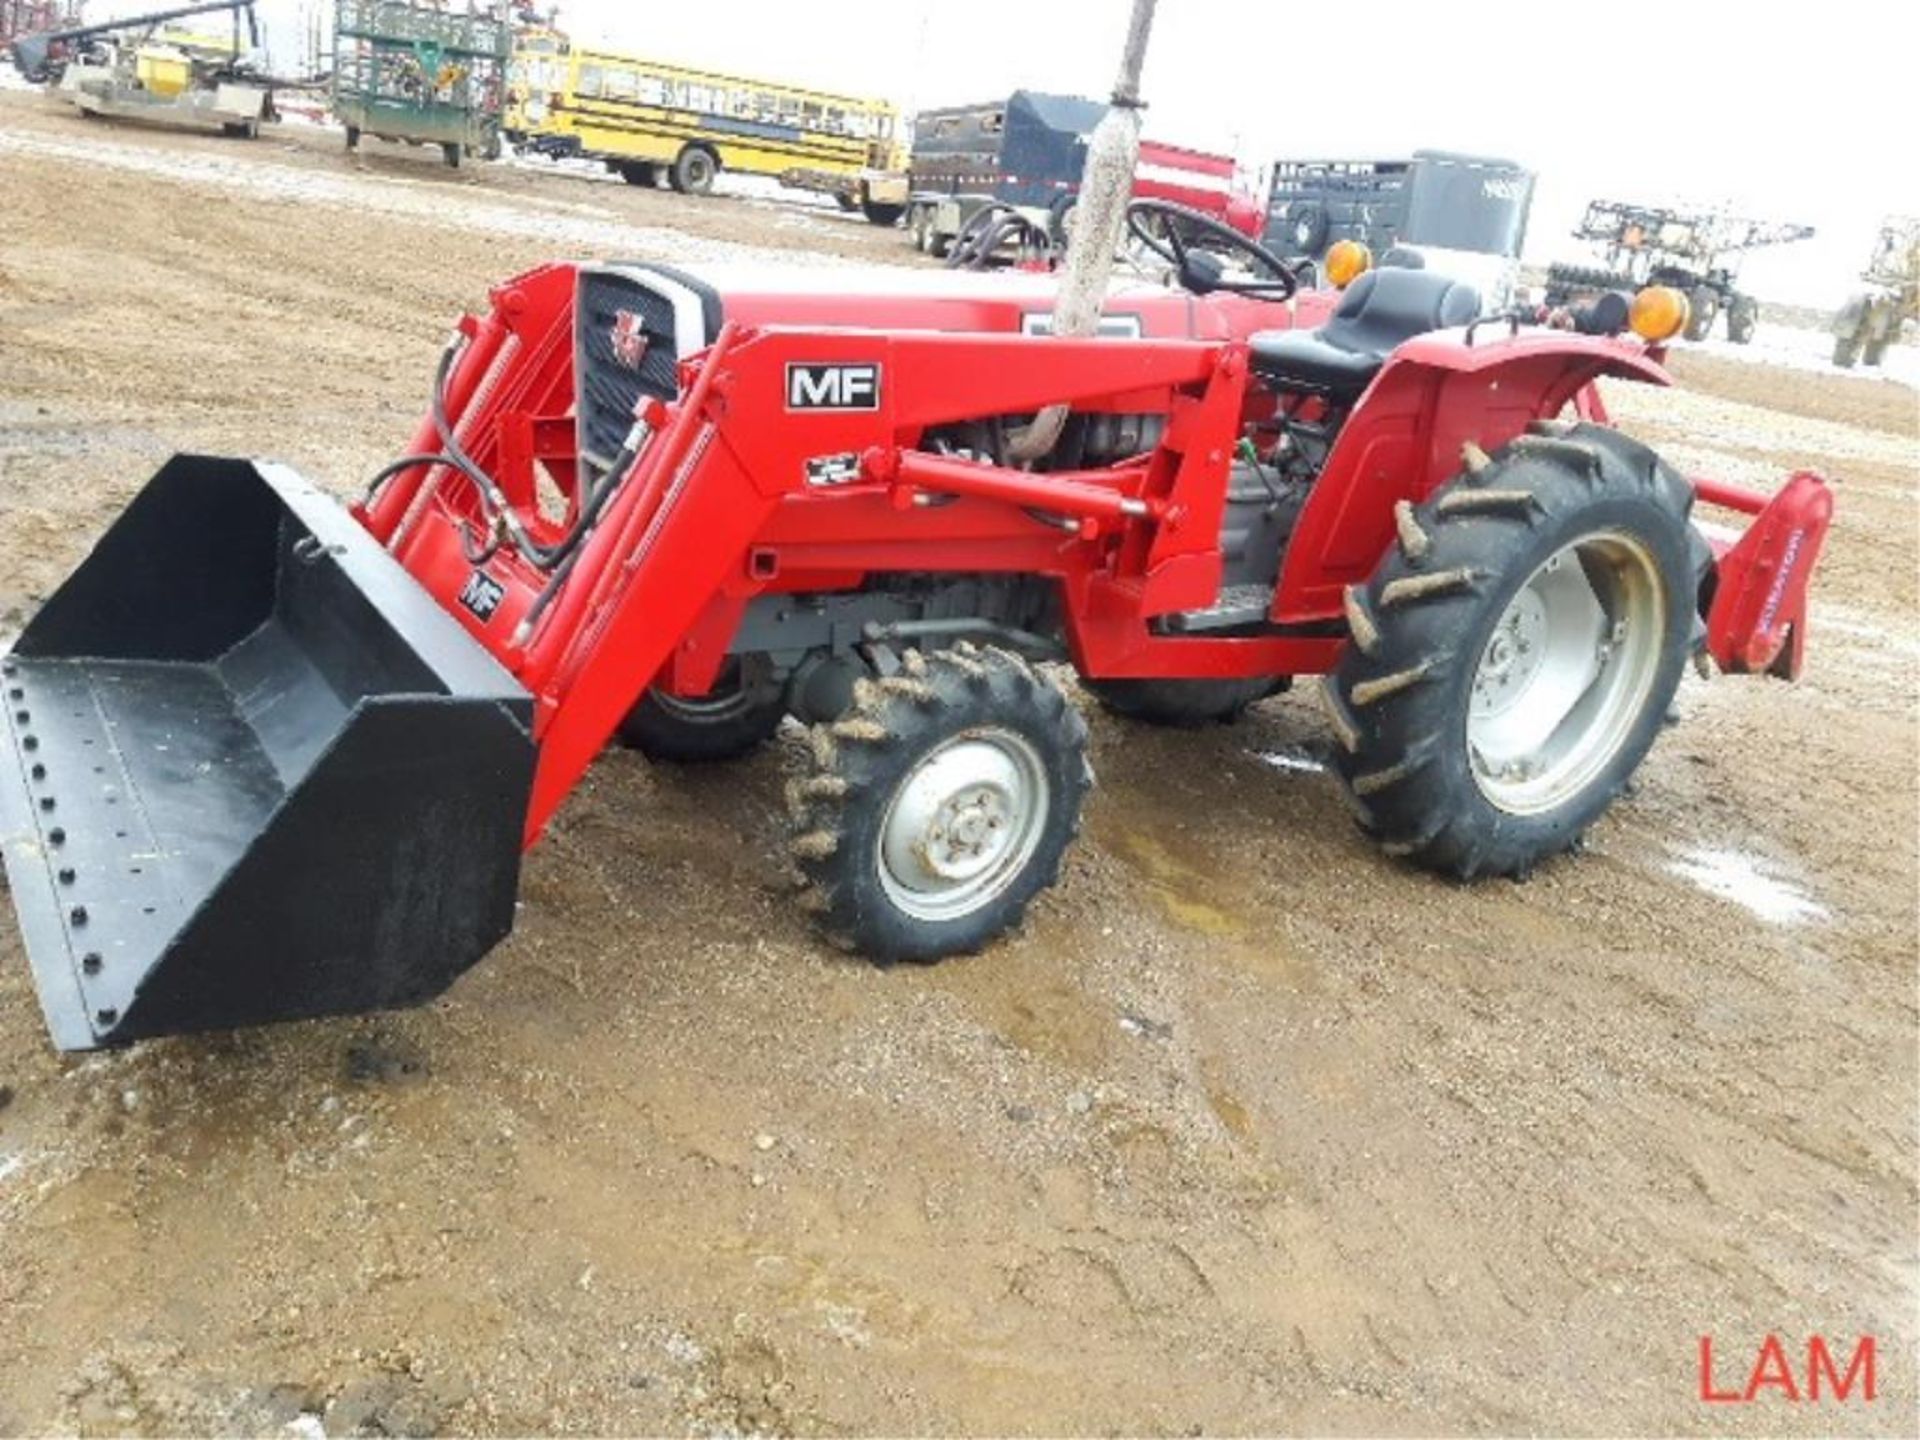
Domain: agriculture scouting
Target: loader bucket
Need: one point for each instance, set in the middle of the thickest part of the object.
(252, 771)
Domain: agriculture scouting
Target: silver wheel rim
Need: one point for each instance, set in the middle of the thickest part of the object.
(1566, 673)
(963, 824)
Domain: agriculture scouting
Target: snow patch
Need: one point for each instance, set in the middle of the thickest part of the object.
(1811, 350)
(437, 202)
(1745, 880)
(1290, 758)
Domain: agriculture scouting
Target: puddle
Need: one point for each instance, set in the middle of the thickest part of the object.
(1293, 759)
(1172, 881)
(1748, 882)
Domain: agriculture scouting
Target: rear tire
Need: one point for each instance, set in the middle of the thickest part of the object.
(736, 718)
(640, 172)
(1561, 577)
(1846, 350)
(450, 152)
(1183, 704)
(1703, 308)
(939, 806)
(1743, 318)
(694, 170)
(353, 137)
(1875, 350)
(881, 214)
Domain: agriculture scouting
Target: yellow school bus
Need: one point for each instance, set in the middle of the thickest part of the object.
(646, 120)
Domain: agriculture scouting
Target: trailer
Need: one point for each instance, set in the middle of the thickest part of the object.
(1020, 160)
(136, 67)
(421, 75)
(1465, 215)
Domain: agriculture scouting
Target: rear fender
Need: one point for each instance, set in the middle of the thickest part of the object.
(1435, 395)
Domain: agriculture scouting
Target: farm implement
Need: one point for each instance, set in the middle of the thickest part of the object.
(270, 758)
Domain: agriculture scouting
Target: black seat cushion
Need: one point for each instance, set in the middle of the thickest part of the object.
(1380, 310)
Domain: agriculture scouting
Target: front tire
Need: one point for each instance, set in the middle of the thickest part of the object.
(940, 805)
(737, 717)
(1846, 350)
(1515, 652)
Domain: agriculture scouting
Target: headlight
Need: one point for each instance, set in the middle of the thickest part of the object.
(1658, 313)
(1346, 262)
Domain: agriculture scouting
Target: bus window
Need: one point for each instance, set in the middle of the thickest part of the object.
(994, 123)
(652, 91)
(592, 81)
(622, 85)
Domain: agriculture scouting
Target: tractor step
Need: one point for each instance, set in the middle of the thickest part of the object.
(251, 771)
(1238, 605)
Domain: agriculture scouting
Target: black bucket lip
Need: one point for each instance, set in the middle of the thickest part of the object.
(36, 904)
(462, 669)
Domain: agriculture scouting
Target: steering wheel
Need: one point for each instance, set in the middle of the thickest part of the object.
(1169, 245)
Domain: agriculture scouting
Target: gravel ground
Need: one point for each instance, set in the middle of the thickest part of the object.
(1248, 1130)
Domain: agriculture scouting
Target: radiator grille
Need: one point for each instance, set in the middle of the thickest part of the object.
(612, 312)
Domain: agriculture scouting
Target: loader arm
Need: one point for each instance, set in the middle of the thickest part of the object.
(720, 504)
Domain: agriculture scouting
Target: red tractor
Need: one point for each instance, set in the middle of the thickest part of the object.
(273, 758)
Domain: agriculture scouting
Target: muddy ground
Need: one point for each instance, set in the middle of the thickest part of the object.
(1250, 1129)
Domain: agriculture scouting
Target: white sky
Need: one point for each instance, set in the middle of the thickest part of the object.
(1789, 112)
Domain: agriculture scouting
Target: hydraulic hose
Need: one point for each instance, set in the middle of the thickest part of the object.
(503, 523)
(569, 548)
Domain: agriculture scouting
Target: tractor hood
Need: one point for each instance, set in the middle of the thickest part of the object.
(898, 298)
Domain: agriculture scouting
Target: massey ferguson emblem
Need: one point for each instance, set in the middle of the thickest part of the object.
(629, 338)
(482, 594)
(833, 387)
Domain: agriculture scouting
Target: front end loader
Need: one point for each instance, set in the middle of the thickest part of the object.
(268, 758)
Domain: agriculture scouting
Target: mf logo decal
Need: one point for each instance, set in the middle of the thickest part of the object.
(833, 387)
(482, 594)
(629, 339)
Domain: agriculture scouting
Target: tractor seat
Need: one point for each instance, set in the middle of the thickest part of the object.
(1379, 311)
